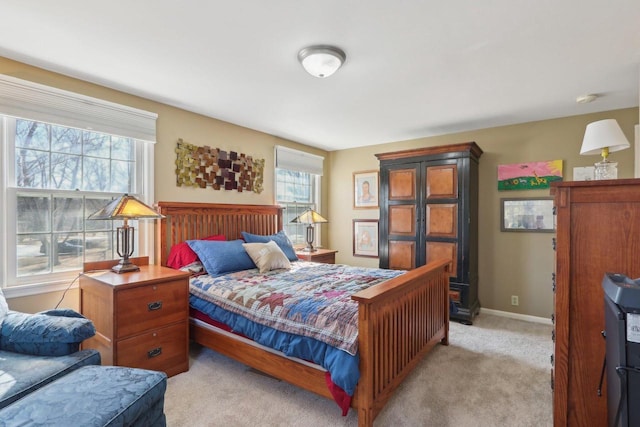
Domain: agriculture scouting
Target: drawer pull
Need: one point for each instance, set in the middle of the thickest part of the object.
(155, 352)
(157, 305)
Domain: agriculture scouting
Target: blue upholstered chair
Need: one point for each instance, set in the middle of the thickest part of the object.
(36, 349)
(45, 380)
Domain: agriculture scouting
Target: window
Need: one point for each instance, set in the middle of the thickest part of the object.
(298, 180)
(57, 174)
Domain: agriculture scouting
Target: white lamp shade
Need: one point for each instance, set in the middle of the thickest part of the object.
(601, 134)
(321, 61)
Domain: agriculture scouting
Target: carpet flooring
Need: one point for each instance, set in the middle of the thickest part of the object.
(493, 373)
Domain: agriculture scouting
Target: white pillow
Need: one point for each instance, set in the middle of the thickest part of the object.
(267, 256)
(4, 308)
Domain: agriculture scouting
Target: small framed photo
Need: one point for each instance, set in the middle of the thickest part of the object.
(527, 214)
(365, 238)
(365, 189)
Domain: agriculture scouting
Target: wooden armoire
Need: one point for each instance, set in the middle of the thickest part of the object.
(428, 211)
(597, 232)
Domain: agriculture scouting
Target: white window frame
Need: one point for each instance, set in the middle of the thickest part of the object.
(32, 101)
(301, 161)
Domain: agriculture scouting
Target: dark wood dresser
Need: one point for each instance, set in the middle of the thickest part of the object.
(429, 211)
(598, 231)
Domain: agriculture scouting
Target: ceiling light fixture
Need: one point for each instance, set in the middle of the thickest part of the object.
(321, 61)
(585, 99)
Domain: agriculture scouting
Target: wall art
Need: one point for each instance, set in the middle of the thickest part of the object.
(365, 238)
(529, 176)
(365, 189)
(527, 214)
(204, 166)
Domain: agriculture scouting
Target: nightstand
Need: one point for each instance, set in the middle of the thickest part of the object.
(141, 317)
(326, 256)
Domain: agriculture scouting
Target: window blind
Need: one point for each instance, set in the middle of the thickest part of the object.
(28, 100)
(296, 160)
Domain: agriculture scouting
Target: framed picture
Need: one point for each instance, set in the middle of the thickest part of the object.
(365, 189)
(527, 214)
(365, 238)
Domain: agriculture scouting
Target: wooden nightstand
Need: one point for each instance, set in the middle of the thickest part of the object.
(327, 256)
(141, 318)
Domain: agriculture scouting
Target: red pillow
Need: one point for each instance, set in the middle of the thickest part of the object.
(181, 254)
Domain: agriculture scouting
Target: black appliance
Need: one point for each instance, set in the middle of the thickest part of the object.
(622, 332)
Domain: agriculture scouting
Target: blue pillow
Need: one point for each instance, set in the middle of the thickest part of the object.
(280, 238)
(220, 257)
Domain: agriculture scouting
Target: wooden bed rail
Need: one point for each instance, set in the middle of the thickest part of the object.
(387, 312)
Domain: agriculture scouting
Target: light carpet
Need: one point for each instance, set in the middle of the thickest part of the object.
(494, 373)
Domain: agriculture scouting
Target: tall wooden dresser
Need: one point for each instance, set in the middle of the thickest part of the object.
(429, 211)
(598, 231)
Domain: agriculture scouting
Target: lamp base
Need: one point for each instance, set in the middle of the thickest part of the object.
(124, 266)
(606, 170)
(309, 249)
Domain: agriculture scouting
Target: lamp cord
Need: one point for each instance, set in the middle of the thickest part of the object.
(71, 284)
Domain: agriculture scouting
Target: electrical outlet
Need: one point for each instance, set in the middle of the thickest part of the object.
(514, 299)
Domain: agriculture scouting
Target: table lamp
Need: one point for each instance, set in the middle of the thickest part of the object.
(309, 217)
(125, 208)
(604, 137)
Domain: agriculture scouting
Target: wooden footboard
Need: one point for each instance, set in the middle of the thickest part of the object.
(400, 320)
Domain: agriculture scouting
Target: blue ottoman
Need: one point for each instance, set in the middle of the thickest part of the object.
(93, 396)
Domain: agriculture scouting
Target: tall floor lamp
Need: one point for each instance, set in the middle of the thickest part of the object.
(309, 217)
(125, 208)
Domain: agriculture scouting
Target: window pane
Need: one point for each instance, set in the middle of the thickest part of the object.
(31, 134)
(96, 144)
(121, 176)
(66, 140)
(32, 254)
(122, 148)
(99, 246)
(32, 168)
(66, 171)
(33, 214)
(68, 253)
(67, 214)
(96, 174)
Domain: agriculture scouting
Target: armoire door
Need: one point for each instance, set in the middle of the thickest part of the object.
(441, 213)
(401, 224)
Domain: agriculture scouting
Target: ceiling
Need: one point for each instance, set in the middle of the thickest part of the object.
(414, 68)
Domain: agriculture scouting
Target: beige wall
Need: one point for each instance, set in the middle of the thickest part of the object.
(173, 123)
(509, 263)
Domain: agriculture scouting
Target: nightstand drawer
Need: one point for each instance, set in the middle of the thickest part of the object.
(152, 306)
(161, 350)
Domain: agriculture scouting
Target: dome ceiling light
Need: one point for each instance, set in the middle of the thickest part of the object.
(321, 61)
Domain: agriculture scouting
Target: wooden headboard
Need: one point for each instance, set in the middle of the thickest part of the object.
(186, 221)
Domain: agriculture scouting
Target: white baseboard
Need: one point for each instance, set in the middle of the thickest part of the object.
(525, 317)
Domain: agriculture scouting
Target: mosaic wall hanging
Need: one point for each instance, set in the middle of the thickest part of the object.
(221, 170)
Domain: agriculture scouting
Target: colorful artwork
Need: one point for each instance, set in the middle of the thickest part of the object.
(529, 176)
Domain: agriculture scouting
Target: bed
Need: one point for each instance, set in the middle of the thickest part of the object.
(399, 320)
